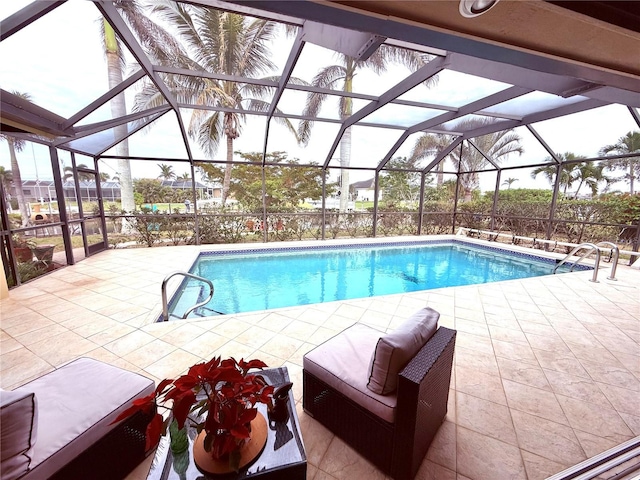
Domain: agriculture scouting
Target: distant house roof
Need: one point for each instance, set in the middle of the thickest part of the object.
(363, 184)
(185, 184)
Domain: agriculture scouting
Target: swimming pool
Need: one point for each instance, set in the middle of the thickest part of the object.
(263, 279)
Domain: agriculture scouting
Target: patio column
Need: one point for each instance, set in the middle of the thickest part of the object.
(496, 193)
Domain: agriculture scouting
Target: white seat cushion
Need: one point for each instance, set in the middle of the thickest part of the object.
(394, 350)
(76, 405)
(342, 362)
(18, 432)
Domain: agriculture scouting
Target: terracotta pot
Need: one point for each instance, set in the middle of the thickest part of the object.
(23, 254)
(248, 452)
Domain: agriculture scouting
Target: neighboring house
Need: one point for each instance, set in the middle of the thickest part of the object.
(364, 190)
(45, 190)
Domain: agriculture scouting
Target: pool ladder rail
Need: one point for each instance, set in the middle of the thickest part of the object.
(165, 304)
(590, 247)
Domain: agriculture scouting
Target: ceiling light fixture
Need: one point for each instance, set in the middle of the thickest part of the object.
(473, 8)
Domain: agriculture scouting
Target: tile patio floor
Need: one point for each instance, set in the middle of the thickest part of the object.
(547, 370)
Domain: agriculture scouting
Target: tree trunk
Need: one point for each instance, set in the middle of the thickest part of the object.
(17, 181)
(119, 109)
(440, 176)
(345, 161)
(226, 183)
(632, 174)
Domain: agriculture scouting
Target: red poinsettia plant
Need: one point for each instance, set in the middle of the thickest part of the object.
(218, 396)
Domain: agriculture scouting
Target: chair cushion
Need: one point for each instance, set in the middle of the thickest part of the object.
(18, 431)
(394, 350)
(77, 404)
(342, 362)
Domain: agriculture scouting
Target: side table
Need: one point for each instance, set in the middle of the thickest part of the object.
(283, 457)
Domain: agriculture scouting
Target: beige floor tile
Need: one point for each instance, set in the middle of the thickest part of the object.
(593, 444)
(485, 417)
(129, 342)
(595, 419)
(282, 347)
(622, 345)
(576, 387)
(482, 457)
(299, 330)
(540, 468)
(205, 345)
(341, 461)
(31, 322)
(41, 334)
(547, 439)
(443, 448)
(316, 437)
(515, 351)
(508, 334)
(476, 360)
(433, 471)
(471, 327)
(172, 365)
(622, 399)
(236, 350)
(21, 365)
(632, 421)
(596, 354)
(611, 375)
(150, 353)
(564, 362)
(534, 401)
(474, 342)
(479, 384)
(183, 334)
(525, 373)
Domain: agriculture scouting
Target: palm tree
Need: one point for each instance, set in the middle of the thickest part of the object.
(429, 145)
(589, 174)
(340, 77)
(509, 181)
(184, 177)
(567, 172)
(6, 177)
(630, 143)
(496, 146)
(166, 172)
(17, 145)
(153, 38)
(82, 176)
(221, 42)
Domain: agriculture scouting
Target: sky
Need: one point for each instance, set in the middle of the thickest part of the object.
(51, 76)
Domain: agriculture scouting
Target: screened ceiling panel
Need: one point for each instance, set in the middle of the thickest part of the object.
(161, 139)
(585, 133)
(369, 145)
(455, 89)
(96, 143)
(104, 112)
(294, 102)
(49, 74)
(531, 103)
(401, 115)
(316, 151)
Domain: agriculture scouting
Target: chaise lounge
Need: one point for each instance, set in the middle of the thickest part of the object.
(383, 394)
(59, 426)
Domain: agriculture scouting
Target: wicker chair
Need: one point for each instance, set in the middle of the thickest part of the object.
(397, 447)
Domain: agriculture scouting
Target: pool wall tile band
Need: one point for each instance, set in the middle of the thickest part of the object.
(488, 248)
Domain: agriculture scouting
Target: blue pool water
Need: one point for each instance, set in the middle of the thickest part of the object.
(261, 280)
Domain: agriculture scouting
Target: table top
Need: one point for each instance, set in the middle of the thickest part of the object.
(283, 456)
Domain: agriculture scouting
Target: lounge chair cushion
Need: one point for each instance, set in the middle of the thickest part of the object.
(394, 350)
(342, 363)
(18, 431)
(77, 404)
